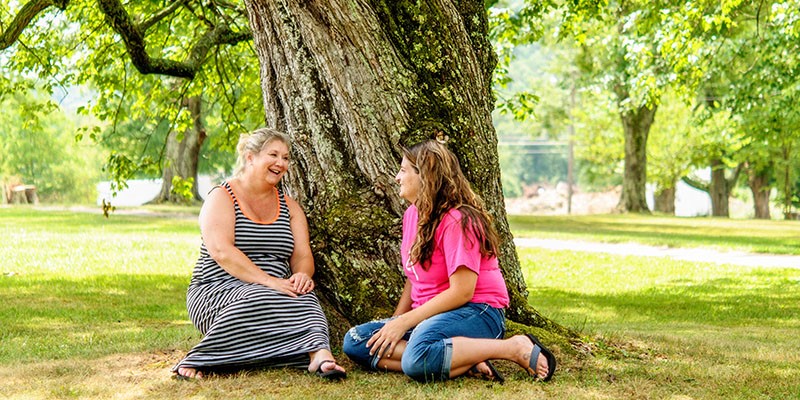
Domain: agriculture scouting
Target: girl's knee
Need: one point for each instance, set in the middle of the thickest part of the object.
(418, 365)
(355, 347)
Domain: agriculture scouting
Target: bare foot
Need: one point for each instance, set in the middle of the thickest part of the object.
(485, 370)
(189, 373)
(480, 369)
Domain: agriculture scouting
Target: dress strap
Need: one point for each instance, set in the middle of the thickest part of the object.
(229, 189)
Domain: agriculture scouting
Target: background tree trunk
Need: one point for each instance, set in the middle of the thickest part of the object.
(665, 201)
(182, 155)
(758, 181)
(353, 82)
(718, 190)
(721, 187)
(636, 125)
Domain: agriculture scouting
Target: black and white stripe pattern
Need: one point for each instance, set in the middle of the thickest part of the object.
(245, 324)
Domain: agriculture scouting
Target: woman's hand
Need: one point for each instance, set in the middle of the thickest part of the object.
(301, 283)
(385, 340)
(284, 286)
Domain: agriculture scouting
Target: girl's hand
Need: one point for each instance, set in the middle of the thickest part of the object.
(301, 283)
(385, 340)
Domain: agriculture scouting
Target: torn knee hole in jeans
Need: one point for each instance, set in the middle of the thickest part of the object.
(353, 332)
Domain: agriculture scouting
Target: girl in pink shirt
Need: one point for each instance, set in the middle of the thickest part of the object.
(450, 319)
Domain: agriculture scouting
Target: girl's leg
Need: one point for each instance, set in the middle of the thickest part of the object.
(355, 346)
(429, 352)
(468, 352)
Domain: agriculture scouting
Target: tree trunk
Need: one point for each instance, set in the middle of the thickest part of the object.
(718, 190)
(636, 125)
(182, 155)
(665, 201)
(758, 181)
(353, 82)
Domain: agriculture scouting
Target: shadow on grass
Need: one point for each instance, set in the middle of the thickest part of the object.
(61, 318)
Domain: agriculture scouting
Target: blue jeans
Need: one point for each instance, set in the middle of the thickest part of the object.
(429, 351)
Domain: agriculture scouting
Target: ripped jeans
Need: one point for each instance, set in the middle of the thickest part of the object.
(429, 351)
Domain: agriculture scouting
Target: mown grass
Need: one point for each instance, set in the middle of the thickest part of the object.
(757, 236)
(94, 308)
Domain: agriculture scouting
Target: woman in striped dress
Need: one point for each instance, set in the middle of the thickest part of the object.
(251, 293)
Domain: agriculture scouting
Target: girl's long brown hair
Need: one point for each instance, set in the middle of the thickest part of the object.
(444, 187)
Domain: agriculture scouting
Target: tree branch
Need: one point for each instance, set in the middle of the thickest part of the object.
(145, 25)
(24, 17)
(696, 184)
(136, 46)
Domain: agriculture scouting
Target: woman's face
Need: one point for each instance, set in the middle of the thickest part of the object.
(409, 181)
(272, 162)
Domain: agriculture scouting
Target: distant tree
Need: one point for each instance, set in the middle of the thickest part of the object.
(148, 63)
(635, 49)
(37, 148)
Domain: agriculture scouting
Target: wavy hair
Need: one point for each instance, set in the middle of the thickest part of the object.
(444, 187)
(254, 142)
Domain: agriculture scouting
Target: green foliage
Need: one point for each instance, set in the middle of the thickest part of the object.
(38, 147)
(79, 47)
(182, 188)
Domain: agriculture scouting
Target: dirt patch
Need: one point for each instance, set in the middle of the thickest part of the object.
(554, 200)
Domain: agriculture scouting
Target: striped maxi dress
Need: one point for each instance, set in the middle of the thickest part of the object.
(247, 325)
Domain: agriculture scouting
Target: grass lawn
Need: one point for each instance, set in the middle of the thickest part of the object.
(757, 236)
(94, 308)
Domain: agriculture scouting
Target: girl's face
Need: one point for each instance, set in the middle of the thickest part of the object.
(409, 181)
(271, 163)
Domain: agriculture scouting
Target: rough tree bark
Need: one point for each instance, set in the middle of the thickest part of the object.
(353, 82)
(758, 181)
(636, 125)
(182, 155)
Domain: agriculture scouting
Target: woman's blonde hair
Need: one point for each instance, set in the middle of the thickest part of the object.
(445, 187)
(254, 142)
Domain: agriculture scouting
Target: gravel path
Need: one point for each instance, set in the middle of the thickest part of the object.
(688, 254)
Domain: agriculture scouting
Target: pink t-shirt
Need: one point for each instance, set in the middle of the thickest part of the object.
(452, 249)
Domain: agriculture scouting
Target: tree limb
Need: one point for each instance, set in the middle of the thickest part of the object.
(24, 17)
(696, 184)
(136, 46)
(145, 25)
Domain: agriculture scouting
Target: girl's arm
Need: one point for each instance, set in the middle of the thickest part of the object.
(404, 305)
(462, 287)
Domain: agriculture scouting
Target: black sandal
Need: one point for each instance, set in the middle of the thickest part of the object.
(333, 375)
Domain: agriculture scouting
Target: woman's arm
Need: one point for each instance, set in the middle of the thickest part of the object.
(301, 261)
(217, 224)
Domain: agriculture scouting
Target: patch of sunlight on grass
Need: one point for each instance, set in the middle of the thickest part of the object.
(760, 236)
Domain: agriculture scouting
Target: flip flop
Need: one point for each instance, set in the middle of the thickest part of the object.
(495, 377)
(333, 375)
(538, 347)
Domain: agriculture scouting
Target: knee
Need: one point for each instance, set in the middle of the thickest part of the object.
(355, 347)
(418, 366)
